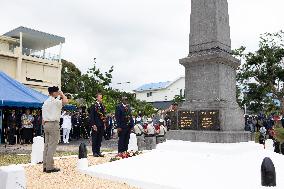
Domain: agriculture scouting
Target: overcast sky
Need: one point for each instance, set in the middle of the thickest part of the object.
(142, 39)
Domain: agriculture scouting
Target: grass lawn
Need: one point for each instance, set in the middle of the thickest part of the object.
(8, 159)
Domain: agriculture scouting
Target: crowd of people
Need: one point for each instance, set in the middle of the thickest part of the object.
(76, 125)
(20, 126)
(263, 124)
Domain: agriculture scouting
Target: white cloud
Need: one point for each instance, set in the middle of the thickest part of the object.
(143, 39)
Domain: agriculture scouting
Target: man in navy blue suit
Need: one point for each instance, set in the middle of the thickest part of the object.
(109, 126)
(97, 121)
(124, 124)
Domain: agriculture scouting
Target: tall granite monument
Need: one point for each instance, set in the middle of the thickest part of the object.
(210, 112)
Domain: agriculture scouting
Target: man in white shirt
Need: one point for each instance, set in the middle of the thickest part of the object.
(161, 132)
(139, 131)
(150, 130)
(150, 137)
(66, 126)
(51, 112)
(262, 136)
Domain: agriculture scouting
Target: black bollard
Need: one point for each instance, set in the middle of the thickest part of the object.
(261, 139)
(268, 174)
(82, 151)
(282, 148)
(276, 145)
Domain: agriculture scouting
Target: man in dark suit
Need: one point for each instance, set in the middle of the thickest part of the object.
(38, 124)
(109, 126)
(12, 127)
(124, 124)
(97, 121)
(76, 125)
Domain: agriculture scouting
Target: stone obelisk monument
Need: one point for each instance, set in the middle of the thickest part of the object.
(210, 112)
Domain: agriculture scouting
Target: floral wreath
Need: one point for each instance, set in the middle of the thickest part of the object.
(128, 115)
(100, 112)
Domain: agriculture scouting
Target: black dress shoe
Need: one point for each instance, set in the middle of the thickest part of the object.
(96, 155)
(44, 169)
(101, 155)
(53, 170)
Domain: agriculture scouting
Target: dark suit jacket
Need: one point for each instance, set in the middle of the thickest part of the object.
(95, 118)
(109, 123)
(123, 117)
(12, 121)
(76, 121)
(37, 121)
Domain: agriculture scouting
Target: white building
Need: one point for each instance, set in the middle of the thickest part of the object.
(25, 56)
(161, 94)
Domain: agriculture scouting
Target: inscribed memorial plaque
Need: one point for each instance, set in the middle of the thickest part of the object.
(208, 120)
(187, 120)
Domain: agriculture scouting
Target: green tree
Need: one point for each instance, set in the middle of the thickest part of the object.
(70, 77)
(261, 76)
(111, 99)
(86, 86)
(93, 82)
(178, 99)
(143, 107)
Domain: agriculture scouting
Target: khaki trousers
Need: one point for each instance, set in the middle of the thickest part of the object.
(51, 137)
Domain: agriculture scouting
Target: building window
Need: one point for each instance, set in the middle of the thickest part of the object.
(149, 94)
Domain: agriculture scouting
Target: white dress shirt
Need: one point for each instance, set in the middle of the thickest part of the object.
(51, 109)
(66, 122)
(151, 129)
(138, 129)
(163, 130)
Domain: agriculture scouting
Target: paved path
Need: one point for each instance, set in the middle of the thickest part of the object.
(73, 146)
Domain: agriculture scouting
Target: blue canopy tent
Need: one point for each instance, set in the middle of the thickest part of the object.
(15, 94)
(70, 107)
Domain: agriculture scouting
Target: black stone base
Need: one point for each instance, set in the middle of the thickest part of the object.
(210, 136)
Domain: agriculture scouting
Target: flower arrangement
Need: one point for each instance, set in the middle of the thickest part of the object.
(127, 115)
(157, 126)
(125, 155)
(145, 125)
